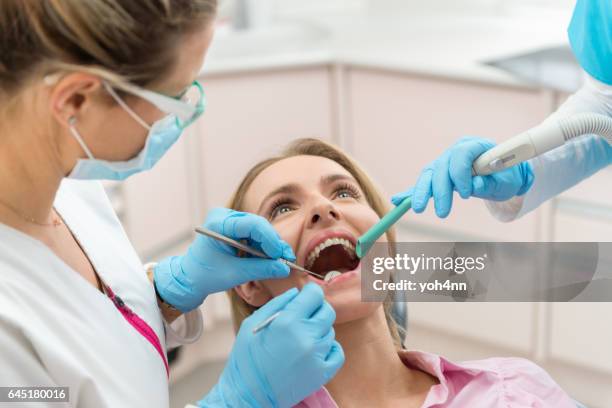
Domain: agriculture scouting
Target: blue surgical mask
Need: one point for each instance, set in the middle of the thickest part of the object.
(161, 137)
(162, 134)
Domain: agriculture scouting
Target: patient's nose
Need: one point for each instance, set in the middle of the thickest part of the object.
(324, 214)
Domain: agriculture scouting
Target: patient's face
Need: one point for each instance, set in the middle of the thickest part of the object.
(320, 210)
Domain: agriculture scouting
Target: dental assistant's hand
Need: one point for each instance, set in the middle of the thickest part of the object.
(285, 362)
(211, 266)
(452, 171)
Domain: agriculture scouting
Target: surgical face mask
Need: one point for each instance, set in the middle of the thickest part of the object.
(162, 135)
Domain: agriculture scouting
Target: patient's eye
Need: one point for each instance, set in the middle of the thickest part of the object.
(279, 207)
(346, 190)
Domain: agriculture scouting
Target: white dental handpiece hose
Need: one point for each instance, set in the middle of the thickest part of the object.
(541, 139)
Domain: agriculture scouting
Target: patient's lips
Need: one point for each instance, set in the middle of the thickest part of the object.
(343, 281)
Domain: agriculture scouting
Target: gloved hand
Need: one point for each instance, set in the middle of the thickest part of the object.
(285, 362)
(452, 171)
(211, 266)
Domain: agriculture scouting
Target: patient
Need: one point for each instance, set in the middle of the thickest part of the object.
(320, 201)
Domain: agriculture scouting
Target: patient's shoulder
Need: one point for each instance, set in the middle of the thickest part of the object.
(528, 377)
(515, 381)
(518, 370)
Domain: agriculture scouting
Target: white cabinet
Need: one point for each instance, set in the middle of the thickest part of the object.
(159, 203)
(580, 332)
(253, 116)
(505, 325)
(577, 219)
(401, 122)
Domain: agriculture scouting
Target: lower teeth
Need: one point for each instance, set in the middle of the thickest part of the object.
(331, 275)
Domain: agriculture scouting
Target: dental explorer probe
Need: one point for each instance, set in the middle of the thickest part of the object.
(249, 250)
(255, 252)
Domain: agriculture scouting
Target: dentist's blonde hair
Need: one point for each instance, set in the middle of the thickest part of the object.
(125, 40)
(313, 147)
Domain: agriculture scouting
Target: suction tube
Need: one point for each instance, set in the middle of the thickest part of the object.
(541, 139)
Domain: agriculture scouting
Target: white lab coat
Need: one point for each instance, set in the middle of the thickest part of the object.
(567, 165)
(56, 329)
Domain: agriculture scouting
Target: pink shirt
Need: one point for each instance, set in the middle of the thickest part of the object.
(491, 383)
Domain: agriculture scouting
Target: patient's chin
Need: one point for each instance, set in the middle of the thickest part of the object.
(348, 305)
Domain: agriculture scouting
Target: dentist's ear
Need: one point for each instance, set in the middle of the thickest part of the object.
(254, 293)
(71, 95)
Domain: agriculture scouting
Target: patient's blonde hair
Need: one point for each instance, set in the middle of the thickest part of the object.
(312, 147)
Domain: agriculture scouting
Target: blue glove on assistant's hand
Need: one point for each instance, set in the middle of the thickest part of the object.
(211, 266)
(452, 171)
(285, 362)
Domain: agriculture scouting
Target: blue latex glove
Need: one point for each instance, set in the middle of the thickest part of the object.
(452, 171)
(285, 362)
(211, 266)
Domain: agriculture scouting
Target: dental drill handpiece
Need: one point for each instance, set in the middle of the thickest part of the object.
(541, 139)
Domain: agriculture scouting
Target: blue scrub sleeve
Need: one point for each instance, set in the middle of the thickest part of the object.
(590, 36)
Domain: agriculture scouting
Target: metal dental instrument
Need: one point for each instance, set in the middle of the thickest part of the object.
(249, 250)
(265, 323)
(365, 242)
(540, 139)
(331, 275)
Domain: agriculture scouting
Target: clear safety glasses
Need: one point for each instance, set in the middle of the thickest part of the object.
(186, 107)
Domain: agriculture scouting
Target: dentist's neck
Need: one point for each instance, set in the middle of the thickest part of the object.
(30, 170)
(373, 374)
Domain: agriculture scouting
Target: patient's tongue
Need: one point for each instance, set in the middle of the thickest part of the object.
(332, 258)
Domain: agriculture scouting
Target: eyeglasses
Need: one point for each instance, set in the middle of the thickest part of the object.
(186, 107)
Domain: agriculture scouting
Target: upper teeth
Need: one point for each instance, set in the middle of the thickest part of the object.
(314, 254)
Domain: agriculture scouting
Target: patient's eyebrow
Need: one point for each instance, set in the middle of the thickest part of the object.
(284, 189)
(329, 179)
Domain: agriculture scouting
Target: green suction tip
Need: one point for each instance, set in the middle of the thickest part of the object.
(365, 242)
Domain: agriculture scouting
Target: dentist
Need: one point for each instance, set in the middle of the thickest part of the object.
(517, 190)
(98, 90)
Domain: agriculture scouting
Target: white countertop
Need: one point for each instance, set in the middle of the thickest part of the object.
(422, 42)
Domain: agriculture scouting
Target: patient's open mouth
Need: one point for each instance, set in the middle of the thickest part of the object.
(333, 254)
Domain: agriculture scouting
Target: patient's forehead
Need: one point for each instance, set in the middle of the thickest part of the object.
(306, 171)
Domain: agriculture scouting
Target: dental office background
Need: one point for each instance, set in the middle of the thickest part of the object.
(393, 82)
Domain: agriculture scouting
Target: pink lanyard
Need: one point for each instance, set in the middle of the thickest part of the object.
(140, 325)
